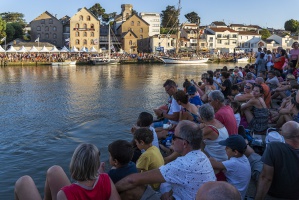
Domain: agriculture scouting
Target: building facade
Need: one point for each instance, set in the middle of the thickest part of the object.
(153, 19)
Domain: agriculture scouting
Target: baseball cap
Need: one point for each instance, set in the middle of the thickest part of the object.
(235, 142)
(191, 89)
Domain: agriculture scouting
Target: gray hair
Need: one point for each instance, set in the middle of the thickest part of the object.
(207, 112)
(191, 132)
(216, 95)
(259, 80)
(85, 162)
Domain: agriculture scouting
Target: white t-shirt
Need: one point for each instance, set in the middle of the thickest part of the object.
(238, 118)
(174, 107)
(238, 173)
(155, 141)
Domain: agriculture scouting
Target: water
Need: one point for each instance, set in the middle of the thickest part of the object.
(47, 111)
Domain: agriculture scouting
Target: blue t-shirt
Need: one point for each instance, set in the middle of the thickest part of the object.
(195, 100)
(119, 173)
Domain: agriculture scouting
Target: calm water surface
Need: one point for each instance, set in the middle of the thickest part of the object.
(47, 111)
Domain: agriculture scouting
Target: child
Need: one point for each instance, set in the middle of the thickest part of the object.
(237, 110)
(237, 168)
(151, 158)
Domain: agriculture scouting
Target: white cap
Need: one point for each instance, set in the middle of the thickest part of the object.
(274, 136)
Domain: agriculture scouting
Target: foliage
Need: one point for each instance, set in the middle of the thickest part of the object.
(18, 30)
(169, 17)
(14, 31)
(193, 17)
(134, 12)
(265, 34)
(97, 10)
(10, 32)
(168, 31)
(106, 17)
(291, 25)
(11, 17)
(2, 28)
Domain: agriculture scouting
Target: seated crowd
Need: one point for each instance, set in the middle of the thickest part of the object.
(213, 126)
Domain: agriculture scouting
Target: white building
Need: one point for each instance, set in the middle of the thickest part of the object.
(247, 40)
(283, 41)
(153, 19)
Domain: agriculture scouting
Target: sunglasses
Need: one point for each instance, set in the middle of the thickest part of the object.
(247, 87)
(174, 137)
(191, 94)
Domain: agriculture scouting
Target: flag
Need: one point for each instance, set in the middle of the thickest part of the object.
(112, 48)
(37, 40)
(95, 41)
(67, 40)
(3, 39)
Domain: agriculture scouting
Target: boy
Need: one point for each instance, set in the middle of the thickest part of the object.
(236, 168)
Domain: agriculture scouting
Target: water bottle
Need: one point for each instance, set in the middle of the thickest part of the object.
(168, 143)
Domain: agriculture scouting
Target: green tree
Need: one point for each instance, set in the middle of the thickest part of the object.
(291, 25)
(2, 28)
(18, 30)
(10, 32)
(11, 17)
(193, 17)
(169, 17)
(97, 10)
(265, 34)
(134, 12)
(106, 17)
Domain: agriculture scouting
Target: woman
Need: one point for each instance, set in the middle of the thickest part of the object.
(280, 61)
(247, 95)
(226, 84)
(209, 86)
(84, 167)
(294, 53)
(256, 111)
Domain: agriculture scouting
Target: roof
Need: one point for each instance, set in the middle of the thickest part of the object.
(255, 26)
(223, 29)
(219, 23)
(268, 41)
(125, 33)
(88, 12)
(46, 12)
(138, 18)
(236, 25)
(248, 33)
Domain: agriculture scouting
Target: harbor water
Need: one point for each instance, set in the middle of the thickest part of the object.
(47, 111)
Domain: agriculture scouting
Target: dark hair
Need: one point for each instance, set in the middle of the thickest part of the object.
(260, 87)
(225, 74)
(210, 80)
(210, 72)
(181, 96)
(144, 134)
(224, 68)
(237, 105)
(187, 84)
(235, 87)
(121, 150)
(262, 55)
(169, 82)
(145, 119)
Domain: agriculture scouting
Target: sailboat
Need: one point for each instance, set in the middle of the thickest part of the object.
(105, 61)
(173, 60)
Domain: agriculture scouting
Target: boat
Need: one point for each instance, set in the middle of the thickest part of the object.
(169, 60)
(244, 59)
(65, 63)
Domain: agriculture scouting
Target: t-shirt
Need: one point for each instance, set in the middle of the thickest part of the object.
(273, 82)
(195, 100)
(294, 54)
(120, 173)
(238, 173)
(267, 94)
(285, 160)
(174, 107)
(156, 140)
(227, 84)
(279, 64)
(226, 116)
(238, 118)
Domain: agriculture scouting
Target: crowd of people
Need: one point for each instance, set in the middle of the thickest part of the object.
(209, 141)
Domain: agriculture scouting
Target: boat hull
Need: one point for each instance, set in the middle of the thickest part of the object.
(67, 63)
(242, 60)
(181, 61)
(105, 62)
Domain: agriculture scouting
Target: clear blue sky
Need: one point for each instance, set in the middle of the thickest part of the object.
(264, 13)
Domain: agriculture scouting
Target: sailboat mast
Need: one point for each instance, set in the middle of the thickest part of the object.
(178, 29)
(109, 45)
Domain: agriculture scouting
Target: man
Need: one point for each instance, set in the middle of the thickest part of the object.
(185, 174)
(218, 190)
(272, 80)
(174, 108)
(280, 175)
(267, 94)
(223, 113)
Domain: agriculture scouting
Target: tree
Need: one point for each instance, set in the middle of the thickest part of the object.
(193, 17)
(2, 28)
(291, 25)
(134, 12)
(11, 17)
(10, 32)
(97, 10)
(169, 17)
(106, 17)
(265, 34)
(18, 30)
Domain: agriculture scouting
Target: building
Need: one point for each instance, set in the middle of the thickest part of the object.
(66, 29)
(47, 28)
(157, 43)
(247, 40)
(193, 36)
(242, 27)
(218, 24)
(126, 12)
(153, 19)
(84, 30)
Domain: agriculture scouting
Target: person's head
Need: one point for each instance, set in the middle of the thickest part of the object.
(269, 52)
(143, 136)
(215, 190)
(262, 55)
(283, 52)
(191, 90)
(236, 106)
(216, 99)
(262, 74)
(224, 69)
(206, 112)
(225, 75)
(187, 137)
(259, 80)
(204, 76)
(295, 45)
(217, 74)
(248, 88)
(265, 49)
(181, 97)
(259, 49)
(85, 162)
(235, 90)
(271, 74)
(145, 119)
(210, 81)
(121, 152)
(186, 84)
(170, 87)
(210, 73)
(257, 91)
(290, 131)
(235, 146)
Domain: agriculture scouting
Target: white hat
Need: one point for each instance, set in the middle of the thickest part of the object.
(274, 136)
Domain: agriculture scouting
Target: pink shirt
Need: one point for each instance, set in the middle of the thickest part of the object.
(294, 54)
(226, 116)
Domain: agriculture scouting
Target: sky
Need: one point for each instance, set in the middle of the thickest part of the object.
(265, 13)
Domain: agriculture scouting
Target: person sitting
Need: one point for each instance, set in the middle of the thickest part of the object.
(223, 113)
(209, 86)
(289, 113)
(284, 88)
(186, 141)
(235, 92)
(84, 167)
(279, 177)
(226, 84)
(236, 106)
(267, 93)
(247, 95)
(256, 111)
(237, 169)
(272, 80)
(193, 96)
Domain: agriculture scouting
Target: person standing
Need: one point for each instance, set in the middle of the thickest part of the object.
(294, 53)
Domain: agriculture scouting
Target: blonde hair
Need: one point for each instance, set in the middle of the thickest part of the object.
(85, 162)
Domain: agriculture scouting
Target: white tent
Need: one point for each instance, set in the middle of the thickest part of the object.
(33, 49)
(84, 49)
(64, 49)
(54, 50)
(11, 50)
(1, 49)
(92, 49)
(22, 50)
(44, 49)
(74, 49)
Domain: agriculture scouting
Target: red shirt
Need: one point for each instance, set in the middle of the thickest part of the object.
(101, 190)
(226, 116)
(279, 64)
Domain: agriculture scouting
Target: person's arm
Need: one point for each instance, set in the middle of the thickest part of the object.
(283, 88)
(264, 182)
(133, 180)
(199, 90)
(247, 105)
(114, 194)
(174, 116)
(242, 97)
(216, 165)
(61, 195)
(221, 86)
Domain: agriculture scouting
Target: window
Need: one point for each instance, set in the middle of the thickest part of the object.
(219, 35)
(92, 34)
(43, 21)
(138, 23)
(85, 26)
(47, 28)
(130, 42)
(92, 26)
(38, 28)
(47, 35)
(54, 36)
(77, 25)
(81, 18)
(50, 21)
(85, 34)
(54, 41)
(91, 42)
(141, 30)
(132, 23)
(88, 18)
(77, 34)
(218, 41)
(54, 28)
(84, 42)
(77, 41)
(141, 36)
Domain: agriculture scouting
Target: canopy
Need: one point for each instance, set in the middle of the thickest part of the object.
(64, 49)
(1, 49)
(92, 49)
(33, 49)
(44, 49)
(74, 49)
(11, 50)
(54, 49)
(22, 50)
(84, 49)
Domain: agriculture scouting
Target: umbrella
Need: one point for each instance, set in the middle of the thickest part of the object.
(33, 49)
(22, 50)
(74, 49)
(11, 50)
(44, 49)
(64, 49)
(1, 49)
(54, 49)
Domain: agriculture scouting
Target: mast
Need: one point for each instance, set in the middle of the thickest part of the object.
(178, 29)
(109, 47)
